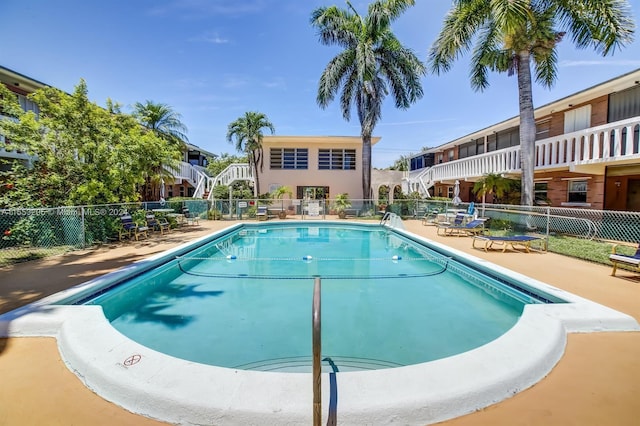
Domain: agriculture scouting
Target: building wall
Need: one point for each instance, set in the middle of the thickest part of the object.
(558, 189)
(338, 181)
(599, 108)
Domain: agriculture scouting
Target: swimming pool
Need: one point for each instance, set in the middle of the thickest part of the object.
(222, 303)
(154, 384)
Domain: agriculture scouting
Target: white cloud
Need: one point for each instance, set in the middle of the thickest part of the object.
(276, 83)
(209, 37)
(566, 64)
(205, 8)
(406, 123)
(234, 82)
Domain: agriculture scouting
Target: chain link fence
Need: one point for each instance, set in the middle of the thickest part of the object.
(601, 225)
(27, 234)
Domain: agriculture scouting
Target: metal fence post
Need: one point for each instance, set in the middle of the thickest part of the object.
(83, 229)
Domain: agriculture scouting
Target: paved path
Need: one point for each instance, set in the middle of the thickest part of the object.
(597, 382)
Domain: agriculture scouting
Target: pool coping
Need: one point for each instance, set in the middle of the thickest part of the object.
(178, 391)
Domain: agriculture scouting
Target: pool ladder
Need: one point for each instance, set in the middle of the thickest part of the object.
(391, 220)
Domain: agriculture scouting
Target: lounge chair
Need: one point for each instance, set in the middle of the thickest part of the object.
(630, 260)
(459, 228)
(189, 217)
(430, 217)
(128, 228)
(505, 241)
(262, 213)
(155, 224)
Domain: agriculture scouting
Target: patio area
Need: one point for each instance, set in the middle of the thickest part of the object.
(596, 382)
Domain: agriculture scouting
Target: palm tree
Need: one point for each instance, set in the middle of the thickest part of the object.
(372, 64)
(494, 184)
(510, 35)
(163, 121)
(247, 132)
(166, 124)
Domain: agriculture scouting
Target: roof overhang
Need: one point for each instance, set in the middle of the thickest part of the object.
(320, 140)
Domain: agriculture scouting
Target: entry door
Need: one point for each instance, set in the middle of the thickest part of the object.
(633, 195)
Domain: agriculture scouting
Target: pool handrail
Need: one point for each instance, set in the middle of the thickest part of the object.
(317, 349)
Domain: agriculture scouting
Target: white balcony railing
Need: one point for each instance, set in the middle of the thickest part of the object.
(609, 143)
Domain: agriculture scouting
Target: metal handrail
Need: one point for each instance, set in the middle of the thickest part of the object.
(317, 348)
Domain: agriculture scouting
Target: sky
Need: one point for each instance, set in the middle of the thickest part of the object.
(213, 60)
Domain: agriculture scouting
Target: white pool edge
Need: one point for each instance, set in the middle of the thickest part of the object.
(182, 392)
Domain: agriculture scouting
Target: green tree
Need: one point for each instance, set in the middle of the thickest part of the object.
(248, 136)
(215, 166)
(83, 154)
(493, 184)
(163, 121)
(372, 63)
(512, 35)
(167, 124)
(401, 164)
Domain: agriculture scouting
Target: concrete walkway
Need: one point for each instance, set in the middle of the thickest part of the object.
(597, 382)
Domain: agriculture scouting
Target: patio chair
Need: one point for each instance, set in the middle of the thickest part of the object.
(629, 260)
(430, 217)
(128, 228)
(262, 213)
(189, 217)
(158, 224)
(461, 229)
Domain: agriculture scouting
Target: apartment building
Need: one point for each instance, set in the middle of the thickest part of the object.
(587, 152)
(190, 175)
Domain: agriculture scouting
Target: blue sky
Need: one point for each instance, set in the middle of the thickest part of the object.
(212, 60)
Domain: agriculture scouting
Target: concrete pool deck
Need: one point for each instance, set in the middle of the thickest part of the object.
(596, 381)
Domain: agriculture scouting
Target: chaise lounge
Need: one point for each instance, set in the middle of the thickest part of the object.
(505, 241)
(460, 229)
(616, 258)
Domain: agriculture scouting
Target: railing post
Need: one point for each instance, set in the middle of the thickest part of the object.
(317, 349)
(84, 228)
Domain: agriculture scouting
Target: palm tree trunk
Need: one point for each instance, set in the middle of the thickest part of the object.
(366, 167)
(527, 129)
(256, 189)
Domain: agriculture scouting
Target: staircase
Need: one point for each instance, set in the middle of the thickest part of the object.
(233, 172)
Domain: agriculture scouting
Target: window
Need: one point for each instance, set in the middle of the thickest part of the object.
(289, 158)
(540, 192)
(577, 191)
(337, 159)
(417, 163)
(450, 191)
(577, 119)
(451, 154)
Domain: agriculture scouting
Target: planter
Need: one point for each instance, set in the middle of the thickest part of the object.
(282, 214)
(342, 214)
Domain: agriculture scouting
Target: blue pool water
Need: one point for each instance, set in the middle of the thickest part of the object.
(244, 301)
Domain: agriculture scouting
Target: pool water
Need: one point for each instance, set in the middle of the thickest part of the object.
(244, 301)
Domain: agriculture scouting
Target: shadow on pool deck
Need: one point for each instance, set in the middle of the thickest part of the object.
(597, 382)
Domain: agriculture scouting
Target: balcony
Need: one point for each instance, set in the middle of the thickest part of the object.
(586, 151)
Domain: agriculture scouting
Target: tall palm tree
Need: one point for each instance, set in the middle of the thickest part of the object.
(510, 35)
(372, 64)
(166, 124)
(247, 132)
(163, 121)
